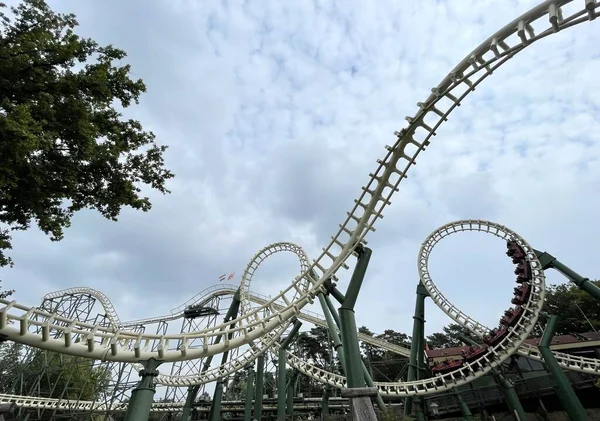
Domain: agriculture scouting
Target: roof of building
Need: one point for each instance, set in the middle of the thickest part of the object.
(580, 338)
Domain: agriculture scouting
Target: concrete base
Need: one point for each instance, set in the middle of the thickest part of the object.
(361, 407)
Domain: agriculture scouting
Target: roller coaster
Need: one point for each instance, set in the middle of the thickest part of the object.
(256, 324)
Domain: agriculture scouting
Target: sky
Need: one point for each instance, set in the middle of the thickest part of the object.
(276, 112)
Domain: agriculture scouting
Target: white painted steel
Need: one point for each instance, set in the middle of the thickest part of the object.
(17, 321)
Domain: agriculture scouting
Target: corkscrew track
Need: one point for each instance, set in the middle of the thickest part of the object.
(37, 328)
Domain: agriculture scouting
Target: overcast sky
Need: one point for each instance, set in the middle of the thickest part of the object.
(275, 112)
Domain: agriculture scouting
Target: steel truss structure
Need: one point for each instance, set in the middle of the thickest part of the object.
(65, 324)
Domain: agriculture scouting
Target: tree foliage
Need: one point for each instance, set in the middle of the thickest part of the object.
(577, 311)
(48, 374)
(65, 146)
(446, 338)
(316, 345)
(385, 365)
(5, 293)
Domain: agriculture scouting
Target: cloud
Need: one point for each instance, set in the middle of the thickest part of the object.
(275, 113)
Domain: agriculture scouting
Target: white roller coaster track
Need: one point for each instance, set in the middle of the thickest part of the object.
(105, 344)
(125, 346)
(220, 290)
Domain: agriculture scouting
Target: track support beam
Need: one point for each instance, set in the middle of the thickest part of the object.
(355, 373)
(415, 364)
(260, 382)
(333, 324)
(565, 392)
(143, 394)
(249, 395)
(281, 375)
(550, 262)
(291, 386)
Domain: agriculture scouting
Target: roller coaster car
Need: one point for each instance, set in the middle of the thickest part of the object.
(199, 310)
(495, 336)
(523, 272)
(515, 251)
(474, 352)
(511, 316)
(522, 293)
(446, 367)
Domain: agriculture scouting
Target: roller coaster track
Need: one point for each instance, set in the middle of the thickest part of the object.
(40, 329)
(206, 296)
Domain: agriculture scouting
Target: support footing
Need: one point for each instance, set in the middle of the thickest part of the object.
(361, 407)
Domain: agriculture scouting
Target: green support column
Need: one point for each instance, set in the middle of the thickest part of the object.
(566, 394)
(143, 394)
(192, 394)
(355, 368)
(281, 376)
(464, 408)
(332, 310)
(260, 381)
(215, 406)
(193, 390)
(354, 373)
(414, 365)
(333, 329)
(249, 395)
(290, 394)
(548, 261)
(325, 403)
(512, 398)
(330, 317)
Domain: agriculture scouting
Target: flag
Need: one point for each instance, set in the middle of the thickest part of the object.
(231, 276)
(222, 277)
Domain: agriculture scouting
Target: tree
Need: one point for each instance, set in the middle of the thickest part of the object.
(65, 147)
(51, 375)
(446, 338)
(5, 293)
(316, 345)
(9, 362)
(577, 311)
(55, 375)
(384, 365)
(370, 352)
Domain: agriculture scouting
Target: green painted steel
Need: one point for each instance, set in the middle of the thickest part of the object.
(232, 313)
(332, 310)
(193, 390)
(281, 373)
(260, 381)
(325, 403)
(291, 386)
(143, 394)
(416, 345)
(566, 394)
(354, 373)
(550, 262)
(215, 406)
(464, 408)
(332, 319)
(249, 395)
